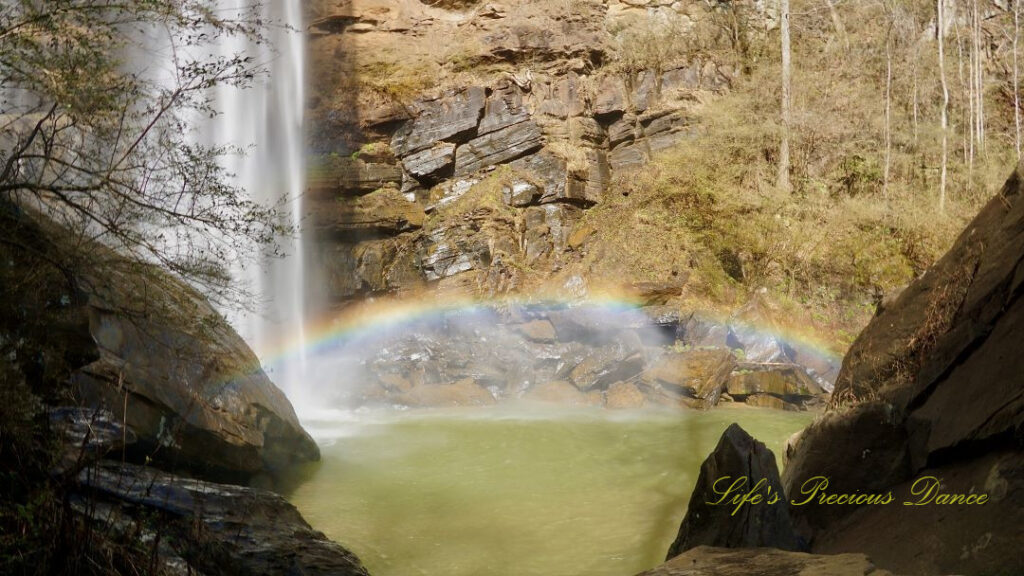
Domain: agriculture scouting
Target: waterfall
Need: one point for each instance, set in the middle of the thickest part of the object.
(267, 120)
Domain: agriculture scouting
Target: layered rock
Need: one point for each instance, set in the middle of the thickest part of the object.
(527, 87)
(198, 527)
(931, 387)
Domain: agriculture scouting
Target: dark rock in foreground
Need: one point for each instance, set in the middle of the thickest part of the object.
(151, 350)
(932, 387)
(708, 561)
(741, 461)
(211, 528)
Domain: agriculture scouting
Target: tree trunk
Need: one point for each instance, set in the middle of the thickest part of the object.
(783, 178)
(940, 33)
(888, 108)
(1016, 84)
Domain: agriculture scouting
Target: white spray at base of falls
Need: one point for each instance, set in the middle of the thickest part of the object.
(266, 120)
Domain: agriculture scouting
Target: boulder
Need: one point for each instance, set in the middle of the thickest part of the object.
(174, 371)
(146, 351)
(743, 463)
(211, 528)
(520, 193)
(539, 330)
(709, 561)
(769, 401)
(465, 392)
(605, 366)
(557, 392)
(624, 395)
(783, 380)
(698, 373)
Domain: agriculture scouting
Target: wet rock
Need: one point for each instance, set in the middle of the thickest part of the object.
(697, 373)
(709, 561)
(453, 118)
(470, 243)
(368, 267)
(557, 392)
(756, 345)
(698, 331)
(784, 380)
(769, 401)
(624, 395)
(85, 435)
(465, 392)
(547, 229)
(431, 165)
(606, 365)
(214, 528)
(537, 330)
(498, 147)
(747, 462)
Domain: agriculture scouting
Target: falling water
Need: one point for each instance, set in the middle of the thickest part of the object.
(267, 119)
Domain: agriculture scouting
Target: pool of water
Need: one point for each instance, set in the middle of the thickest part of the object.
(524, 491)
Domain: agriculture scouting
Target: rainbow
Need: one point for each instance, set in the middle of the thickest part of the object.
(379, 316)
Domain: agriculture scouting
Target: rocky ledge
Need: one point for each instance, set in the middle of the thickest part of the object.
(197, 527)
(580, 355)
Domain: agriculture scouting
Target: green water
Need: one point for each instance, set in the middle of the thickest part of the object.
(526, 491)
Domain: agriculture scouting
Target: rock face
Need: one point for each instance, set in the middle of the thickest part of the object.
(709, 561)
(744, 463)
(147, 351)
(932, 387)
(207, 528)
(444, 96)
(184, 381)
